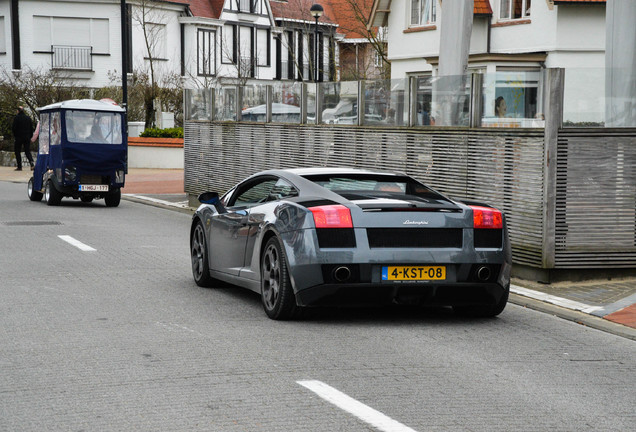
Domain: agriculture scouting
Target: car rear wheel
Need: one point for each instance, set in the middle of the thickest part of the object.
(277, 294)
(484, 311)
(199, 255)
(52, 196)
(33, 194)
(113, 198)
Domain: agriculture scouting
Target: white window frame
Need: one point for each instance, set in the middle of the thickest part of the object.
(3, 43)
(422, 13)
(506, 9)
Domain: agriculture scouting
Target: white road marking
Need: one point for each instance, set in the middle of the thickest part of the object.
(78, 244)
(559, 301)
(352, 406)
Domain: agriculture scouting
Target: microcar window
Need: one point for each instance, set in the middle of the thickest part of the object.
(93, 127)
(56, 129)
(43, 137)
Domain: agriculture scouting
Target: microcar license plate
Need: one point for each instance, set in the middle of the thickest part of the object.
(413, 273)
(93, 188)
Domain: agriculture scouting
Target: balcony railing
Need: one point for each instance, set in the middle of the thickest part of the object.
(72, 57)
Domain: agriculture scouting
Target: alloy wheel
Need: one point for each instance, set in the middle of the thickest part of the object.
(271, 277)
(198, 252)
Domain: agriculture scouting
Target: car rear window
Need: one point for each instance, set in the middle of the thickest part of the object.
(359, 186)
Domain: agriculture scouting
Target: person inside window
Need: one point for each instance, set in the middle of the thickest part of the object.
(500, 107)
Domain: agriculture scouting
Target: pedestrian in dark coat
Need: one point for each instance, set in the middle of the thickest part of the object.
(22, 133)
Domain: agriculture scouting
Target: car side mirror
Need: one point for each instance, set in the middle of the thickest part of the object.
(213, 199)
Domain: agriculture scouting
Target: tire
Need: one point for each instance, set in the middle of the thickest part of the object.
(484, 311)
(277, 294)
(199, 257)
(86, 199)
(52, 196)
(113, 198)
(33, 194)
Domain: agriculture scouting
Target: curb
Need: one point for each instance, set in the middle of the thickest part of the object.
(168, 205)
(574, 316)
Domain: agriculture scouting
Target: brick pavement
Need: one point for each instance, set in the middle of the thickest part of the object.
(613, 300)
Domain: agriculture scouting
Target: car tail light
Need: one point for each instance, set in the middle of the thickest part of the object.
(486, 217)
(332, 216)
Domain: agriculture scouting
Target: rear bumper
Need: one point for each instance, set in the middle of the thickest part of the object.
(367, 294)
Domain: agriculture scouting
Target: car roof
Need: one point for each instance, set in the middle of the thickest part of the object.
(84, 104)
(333, 170)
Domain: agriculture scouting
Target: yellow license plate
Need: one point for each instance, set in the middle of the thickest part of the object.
(413, 273)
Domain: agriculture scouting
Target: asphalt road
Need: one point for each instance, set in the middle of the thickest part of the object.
(120, 338)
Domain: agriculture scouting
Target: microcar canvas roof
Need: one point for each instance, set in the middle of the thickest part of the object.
(84, 104)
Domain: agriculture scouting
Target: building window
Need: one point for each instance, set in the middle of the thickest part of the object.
(206, 52)
(514, 9)
(157, 37)
(263, 47)
(247, 6)
(229, 51)
(423, 12)
(68, 31)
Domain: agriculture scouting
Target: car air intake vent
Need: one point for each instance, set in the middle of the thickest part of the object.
(316, 203)
(488, 238)
(415, 237)
(336, 238)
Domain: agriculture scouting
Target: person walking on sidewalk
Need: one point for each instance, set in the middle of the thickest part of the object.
(22, 133)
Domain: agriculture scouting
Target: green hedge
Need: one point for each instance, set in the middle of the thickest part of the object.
(176, 132)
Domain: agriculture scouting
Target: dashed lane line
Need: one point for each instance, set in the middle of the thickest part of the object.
(78, 244)
(363, 412)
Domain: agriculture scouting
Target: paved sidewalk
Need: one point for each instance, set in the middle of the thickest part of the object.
(609, 305)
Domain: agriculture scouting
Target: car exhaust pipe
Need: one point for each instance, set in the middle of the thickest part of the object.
(483, 273)
(342, 274)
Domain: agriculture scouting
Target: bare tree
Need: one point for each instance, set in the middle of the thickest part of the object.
(151, 19)
(353, 18)
(34, 88)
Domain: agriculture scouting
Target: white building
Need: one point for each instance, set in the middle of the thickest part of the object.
(515, 39)
(199, 40)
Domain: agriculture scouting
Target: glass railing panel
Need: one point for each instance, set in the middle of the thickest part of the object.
(225, 103)
(339, 102)
(584, 102)
(198, 104)
(286, 102)
(385, 103)
(254, 103)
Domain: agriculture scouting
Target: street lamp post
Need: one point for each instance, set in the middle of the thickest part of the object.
(124, 55)
(316, 11)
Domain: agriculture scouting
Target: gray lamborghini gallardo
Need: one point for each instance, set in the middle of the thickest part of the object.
(335, 237)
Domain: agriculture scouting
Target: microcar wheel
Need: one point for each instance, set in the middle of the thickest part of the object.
(277, 294)
(52, 196)
(113, 198)
(33, 194)
(199, 256)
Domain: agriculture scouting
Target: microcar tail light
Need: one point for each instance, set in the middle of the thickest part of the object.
(486, 217)
(332, 216)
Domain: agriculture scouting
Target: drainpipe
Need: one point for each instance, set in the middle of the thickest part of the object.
(15, 35)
